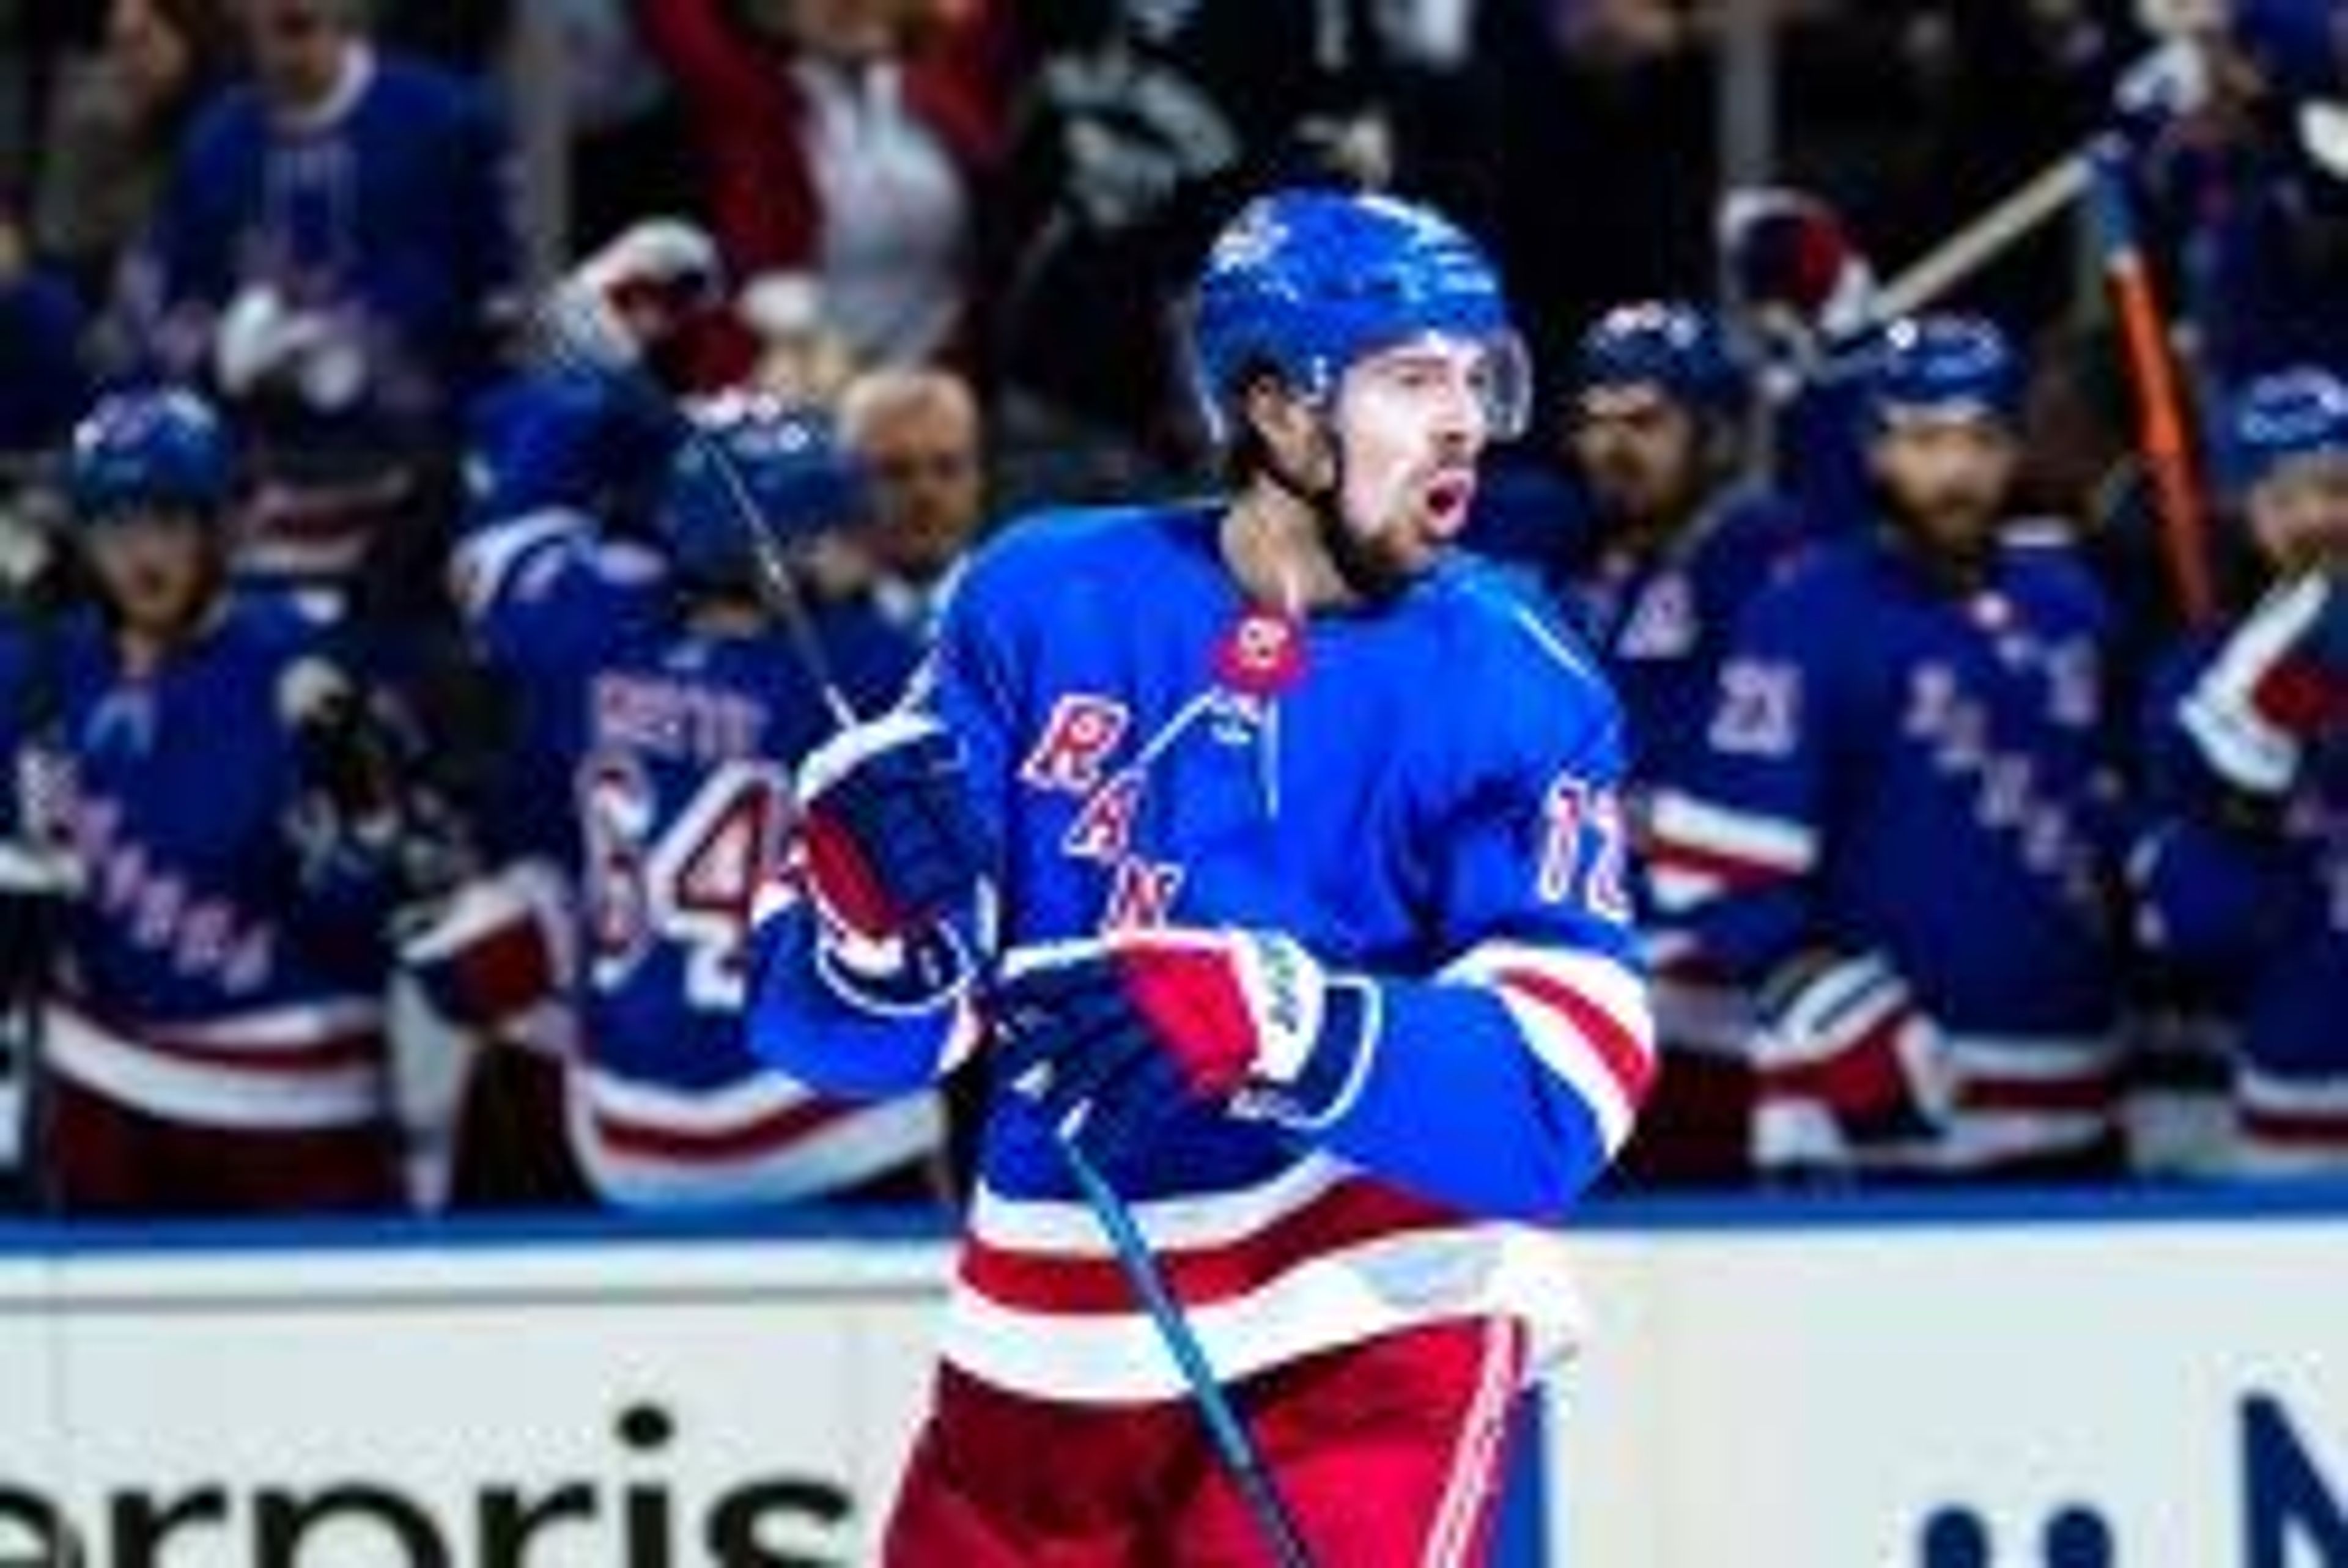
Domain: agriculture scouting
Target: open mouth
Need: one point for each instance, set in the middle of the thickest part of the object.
(1447, 496)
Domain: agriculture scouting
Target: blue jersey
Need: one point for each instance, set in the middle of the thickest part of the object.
(1432, 805)
(1895, 768)
(2251, 905)
(43, 377)
(390, 215)
(1663, 624)
(675, 748)
(213, 973)
(566, 439)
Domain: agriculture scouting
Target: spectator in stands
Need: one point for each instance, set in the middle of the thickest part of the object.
(2244, 875)
(2244, 179)
(917, 434)
(43, 378)
(214, 1038)
(335, 250)
(1898, 832)
(1655, 431)
(1138, 128)
(841, 139)
(114, 127)
(1614, 100)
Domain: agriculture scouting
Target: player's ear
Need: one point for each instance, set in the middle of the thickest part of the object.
(1282, 424)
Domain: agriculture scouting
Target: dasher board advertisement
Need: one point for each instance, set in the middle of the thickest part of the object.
(2019, 1383)
(629, 1406)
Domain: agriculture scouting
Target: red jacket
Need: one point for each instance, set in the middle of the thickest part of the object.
(746, 109)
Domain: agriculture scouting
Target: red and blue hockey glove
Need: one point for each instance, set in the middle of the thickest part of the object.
(887, 841)
(888, 852)
(2281, 681)
(1246, 1021)
(1843, 1038)
(1793, 264)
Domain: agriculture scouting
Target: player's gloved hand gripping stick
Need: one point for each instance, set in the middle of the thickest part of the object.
(1245, 1020)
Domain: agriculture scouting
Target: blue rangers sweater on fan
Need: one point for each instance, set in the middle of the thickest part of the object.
(1433, 806)
(1893, 767)
(676, 747)
(2251, 900)
(220, 968)
(392, 208)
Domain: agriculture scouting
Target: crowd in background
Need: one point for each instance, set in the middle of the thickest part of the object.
(387, 671)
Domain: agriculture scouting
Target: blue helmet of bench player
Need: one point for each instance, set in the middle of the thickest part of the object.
(1303, 283)
(155, 449)
(783, 459)
(1668, 344)
(1953, 366)
(2296, 44)
(2282, 417)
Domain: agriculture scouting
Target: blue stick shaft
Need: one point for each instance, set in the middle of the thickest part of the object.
(1224, 1428)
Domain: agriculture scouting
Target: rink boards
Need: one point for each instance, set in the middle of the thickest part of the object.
(2160, 1380)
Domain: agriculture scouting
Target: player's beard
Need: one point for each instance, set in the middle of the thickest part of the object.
(1639, 502)
(1387, 527)
(1952, 529)
(1383, 543)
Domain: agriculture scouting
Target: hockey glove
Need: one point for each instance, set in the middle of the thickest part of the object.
(1793, 265)
(621, 306)
(1246, 1021)
(887, 839)
(346, 812)
(2281, 681)
(1845, 1036)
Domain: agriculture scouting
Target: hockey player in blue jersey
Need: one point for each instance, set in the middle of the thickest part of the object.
(214, 1037)
(2244, 872)
(1274, 852)
(1898, 831)
(1654, 430)
(680, 711)
(580, 432)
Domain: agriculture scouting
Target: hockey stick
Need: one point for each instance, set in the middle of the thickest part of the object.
(1229, 1433)
(1986, 237)
(778, 588)
(569, 335)
(2163, 431)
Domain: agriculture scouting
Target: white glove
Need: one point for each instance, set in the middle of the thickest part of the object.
(1843, 1040)
(2280, 679)
(611, 309)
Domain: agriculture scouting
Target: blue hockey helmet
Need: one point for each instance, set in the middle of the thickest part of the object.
(1669, 344)
(1946, 364)
(783, 457)
(2298, 46)
(1303, 283)
(2281, 418)
(157, 448)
